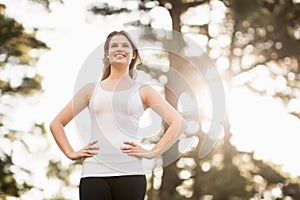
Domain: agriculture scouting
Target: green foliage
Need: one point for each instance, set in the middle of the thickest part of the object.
(15, 47)
(29, 86)
(292, 190)
(15, 53)
(46, 3)
(269, 173)
(57, 170)
(8, 184)
(105, 9)
(15, 43)
(268, 22)
(271, 30)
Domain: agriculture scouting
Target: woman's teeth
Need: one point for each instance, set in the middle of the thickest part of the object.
(119, 55)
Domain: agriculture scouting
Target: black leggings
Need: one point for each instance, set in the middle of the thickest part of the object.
(113, 188)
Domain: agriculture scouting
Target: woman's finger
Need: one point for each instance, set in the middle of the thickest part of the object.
(88, 152)
(92, 143)
(130, 143)
(91, 146)
(127, 150)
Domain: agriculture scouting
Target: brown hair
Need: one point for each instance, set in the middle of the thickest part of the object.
(107, 65)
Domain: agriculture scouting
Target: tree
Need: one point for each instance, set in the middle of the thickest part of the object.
(269, 29)
(261, 34)
(46, 3)
(16, 49)
(260, 29)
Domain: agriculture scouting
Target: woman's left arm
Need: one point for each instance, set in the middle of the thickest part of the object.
(151, 99)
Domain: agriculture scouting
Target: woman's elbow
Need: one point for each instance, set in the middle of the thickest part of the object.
(54, 124)
(180, 123)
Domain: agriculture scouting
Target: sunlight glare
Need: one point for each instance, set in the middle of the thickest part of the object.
(131, 5)
(271, 120)
(213, 30)
(242, 78)
(218, 11)
(217, 16)
(206, 166)
(276, 192)
(192, 126)
(247, 60)
(185, 174)
(224, 40)
(157, 182)
(196, 15)
(223, 63)
(187, 144)
(202, 40)
(158, 13)
(145, 119)
(205, 124)
(294, 105)
(215, 53)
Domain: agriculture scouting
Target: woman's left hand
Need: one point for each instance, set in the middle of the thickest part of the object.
(136, 150)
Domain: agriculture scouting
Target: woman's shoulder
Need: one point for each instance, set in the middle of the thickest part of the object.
(150, 87)
(87, 89)
(147, 90)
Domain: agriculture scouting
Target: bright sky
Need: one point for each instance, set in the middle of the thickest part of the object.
(262, 124)
(258, 123)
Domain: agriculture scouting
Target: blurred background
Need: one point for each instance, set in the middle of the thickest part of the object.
(253, 44)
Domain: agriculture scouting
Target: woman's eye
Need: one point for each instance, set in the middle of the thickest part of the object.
(121, 45)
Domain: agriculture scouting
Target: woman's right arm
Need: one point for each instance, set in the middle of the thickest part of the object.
(76, 105)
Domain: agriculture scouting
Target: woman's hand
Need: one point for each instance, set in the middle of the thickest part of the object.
(136, 150)
(88, 151)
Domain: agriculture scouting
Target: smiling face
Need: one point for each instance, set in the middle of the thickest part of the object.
(120, 50)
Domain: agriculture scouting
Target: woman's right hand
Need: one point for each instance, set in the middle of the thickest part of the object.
(88, 151)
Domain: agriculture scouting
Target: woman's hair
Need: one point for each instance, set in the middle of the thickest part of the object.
(106, 63)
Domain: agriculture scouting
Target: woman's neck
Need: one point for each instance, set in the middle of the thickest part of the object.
(120, 73)
(117, 82)
(115, 77)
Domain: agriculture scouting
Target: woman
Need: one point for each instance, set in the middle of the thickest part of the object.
(112, 160)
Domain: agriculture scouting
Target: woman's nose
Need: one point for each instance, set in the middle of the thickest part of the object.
(120, 48)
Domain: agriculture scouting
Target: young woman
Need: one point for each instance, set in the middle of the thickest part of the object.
(112, 164)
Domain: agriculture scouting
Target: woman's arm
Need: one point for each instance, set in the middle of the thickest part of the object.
(76, 105)
(151, 99)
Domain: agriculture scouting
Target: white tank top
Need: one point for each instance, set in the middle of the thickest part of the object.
(114, 119)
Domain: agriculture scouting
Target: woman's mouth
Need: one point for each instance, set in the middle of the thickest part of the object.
(119, 55)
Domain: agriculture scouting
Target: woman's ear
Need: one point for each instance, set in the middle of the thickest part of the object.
(133, 54)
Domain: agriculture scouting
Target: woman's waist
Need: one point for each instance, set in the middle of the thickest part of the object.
(94, 167)
(113, 139)
(113, 128)
(113, 162)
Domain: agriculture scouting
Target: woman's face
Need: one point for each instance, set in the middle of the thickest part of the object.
(120, 50)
